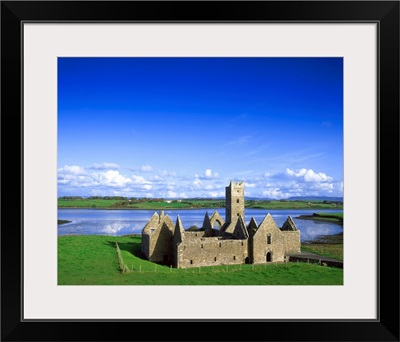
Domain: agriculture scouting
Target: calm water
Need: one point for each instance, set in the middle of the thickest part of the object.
(121, 222)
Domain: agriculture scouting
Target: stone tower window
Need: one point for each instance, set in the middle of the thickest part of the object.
(215, 258)
(237, 201)
(269, 239)
(220, 244)
(201, 245)
(191, 262)
(234, 257)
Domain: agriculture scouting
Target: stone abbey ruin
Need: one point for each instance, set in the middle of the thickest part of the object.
(232, 242)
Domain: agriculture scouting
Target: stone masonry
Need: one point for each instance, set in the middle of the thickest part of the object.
(219, 241)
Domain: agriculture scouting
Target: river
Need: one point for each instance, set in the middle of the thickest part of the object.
(122, 222)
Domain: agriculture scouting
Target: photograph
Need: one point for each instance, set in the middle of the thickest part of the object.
(200, 171)
(207, 162)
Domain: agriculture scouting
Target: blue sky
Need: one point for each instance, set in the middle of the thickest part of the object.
(184, 127)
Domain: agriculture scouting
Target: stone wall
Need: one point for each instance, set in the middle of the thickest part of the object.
(212, 251)
(161, 245)
(291, 241)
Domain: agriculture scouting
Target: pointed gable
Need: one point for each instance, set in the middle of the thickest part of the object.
(240, 231)
(267, 224)
(166, 220)
(179, 233)
(289, 225)
(153, 223)
(252, 227)
(207, 227)
(206, 223)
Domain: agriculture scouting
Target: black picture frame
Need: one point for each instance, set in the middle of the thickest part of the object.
(385, 328)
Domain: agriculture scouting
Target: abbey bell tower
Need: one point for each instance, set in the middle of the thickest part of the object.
(234, 197)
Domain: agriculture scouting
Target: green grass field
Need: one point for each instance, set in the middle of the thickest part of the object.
(292, 205)
(329, 245)
(92, 260)
(92, 203)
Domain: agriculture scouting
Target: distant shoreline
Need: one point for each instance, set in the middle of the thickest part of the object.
(119, 204)
(323, 217)
(63, 221)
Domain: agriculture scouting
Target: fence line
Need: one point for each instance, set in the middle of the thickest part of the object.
(157, 268)
(121, 265)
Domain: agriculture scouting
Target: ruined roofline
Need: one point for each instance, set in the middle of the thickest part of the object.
(253, 220)
(179, 231)
(289, 225)
(206, 222)
(156, 221)
(217, 217)
(241, 183)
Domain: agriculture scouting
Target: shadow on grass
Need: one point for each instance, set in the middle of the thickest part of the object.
(132, 247)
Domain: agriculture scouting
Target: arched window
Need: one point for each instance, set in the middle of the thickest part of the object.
(269, 257)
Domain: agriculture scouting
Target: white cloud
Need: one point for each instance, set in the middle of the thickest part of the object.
(111, 178)
(309, 175)
(146, 168)
(197, 183)
(73, 169)
(105, 166)
(215, 194)
(139, 180)
(273, 193)
(171, 186)
(165, 173)
(209, 174)
(172, 194)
